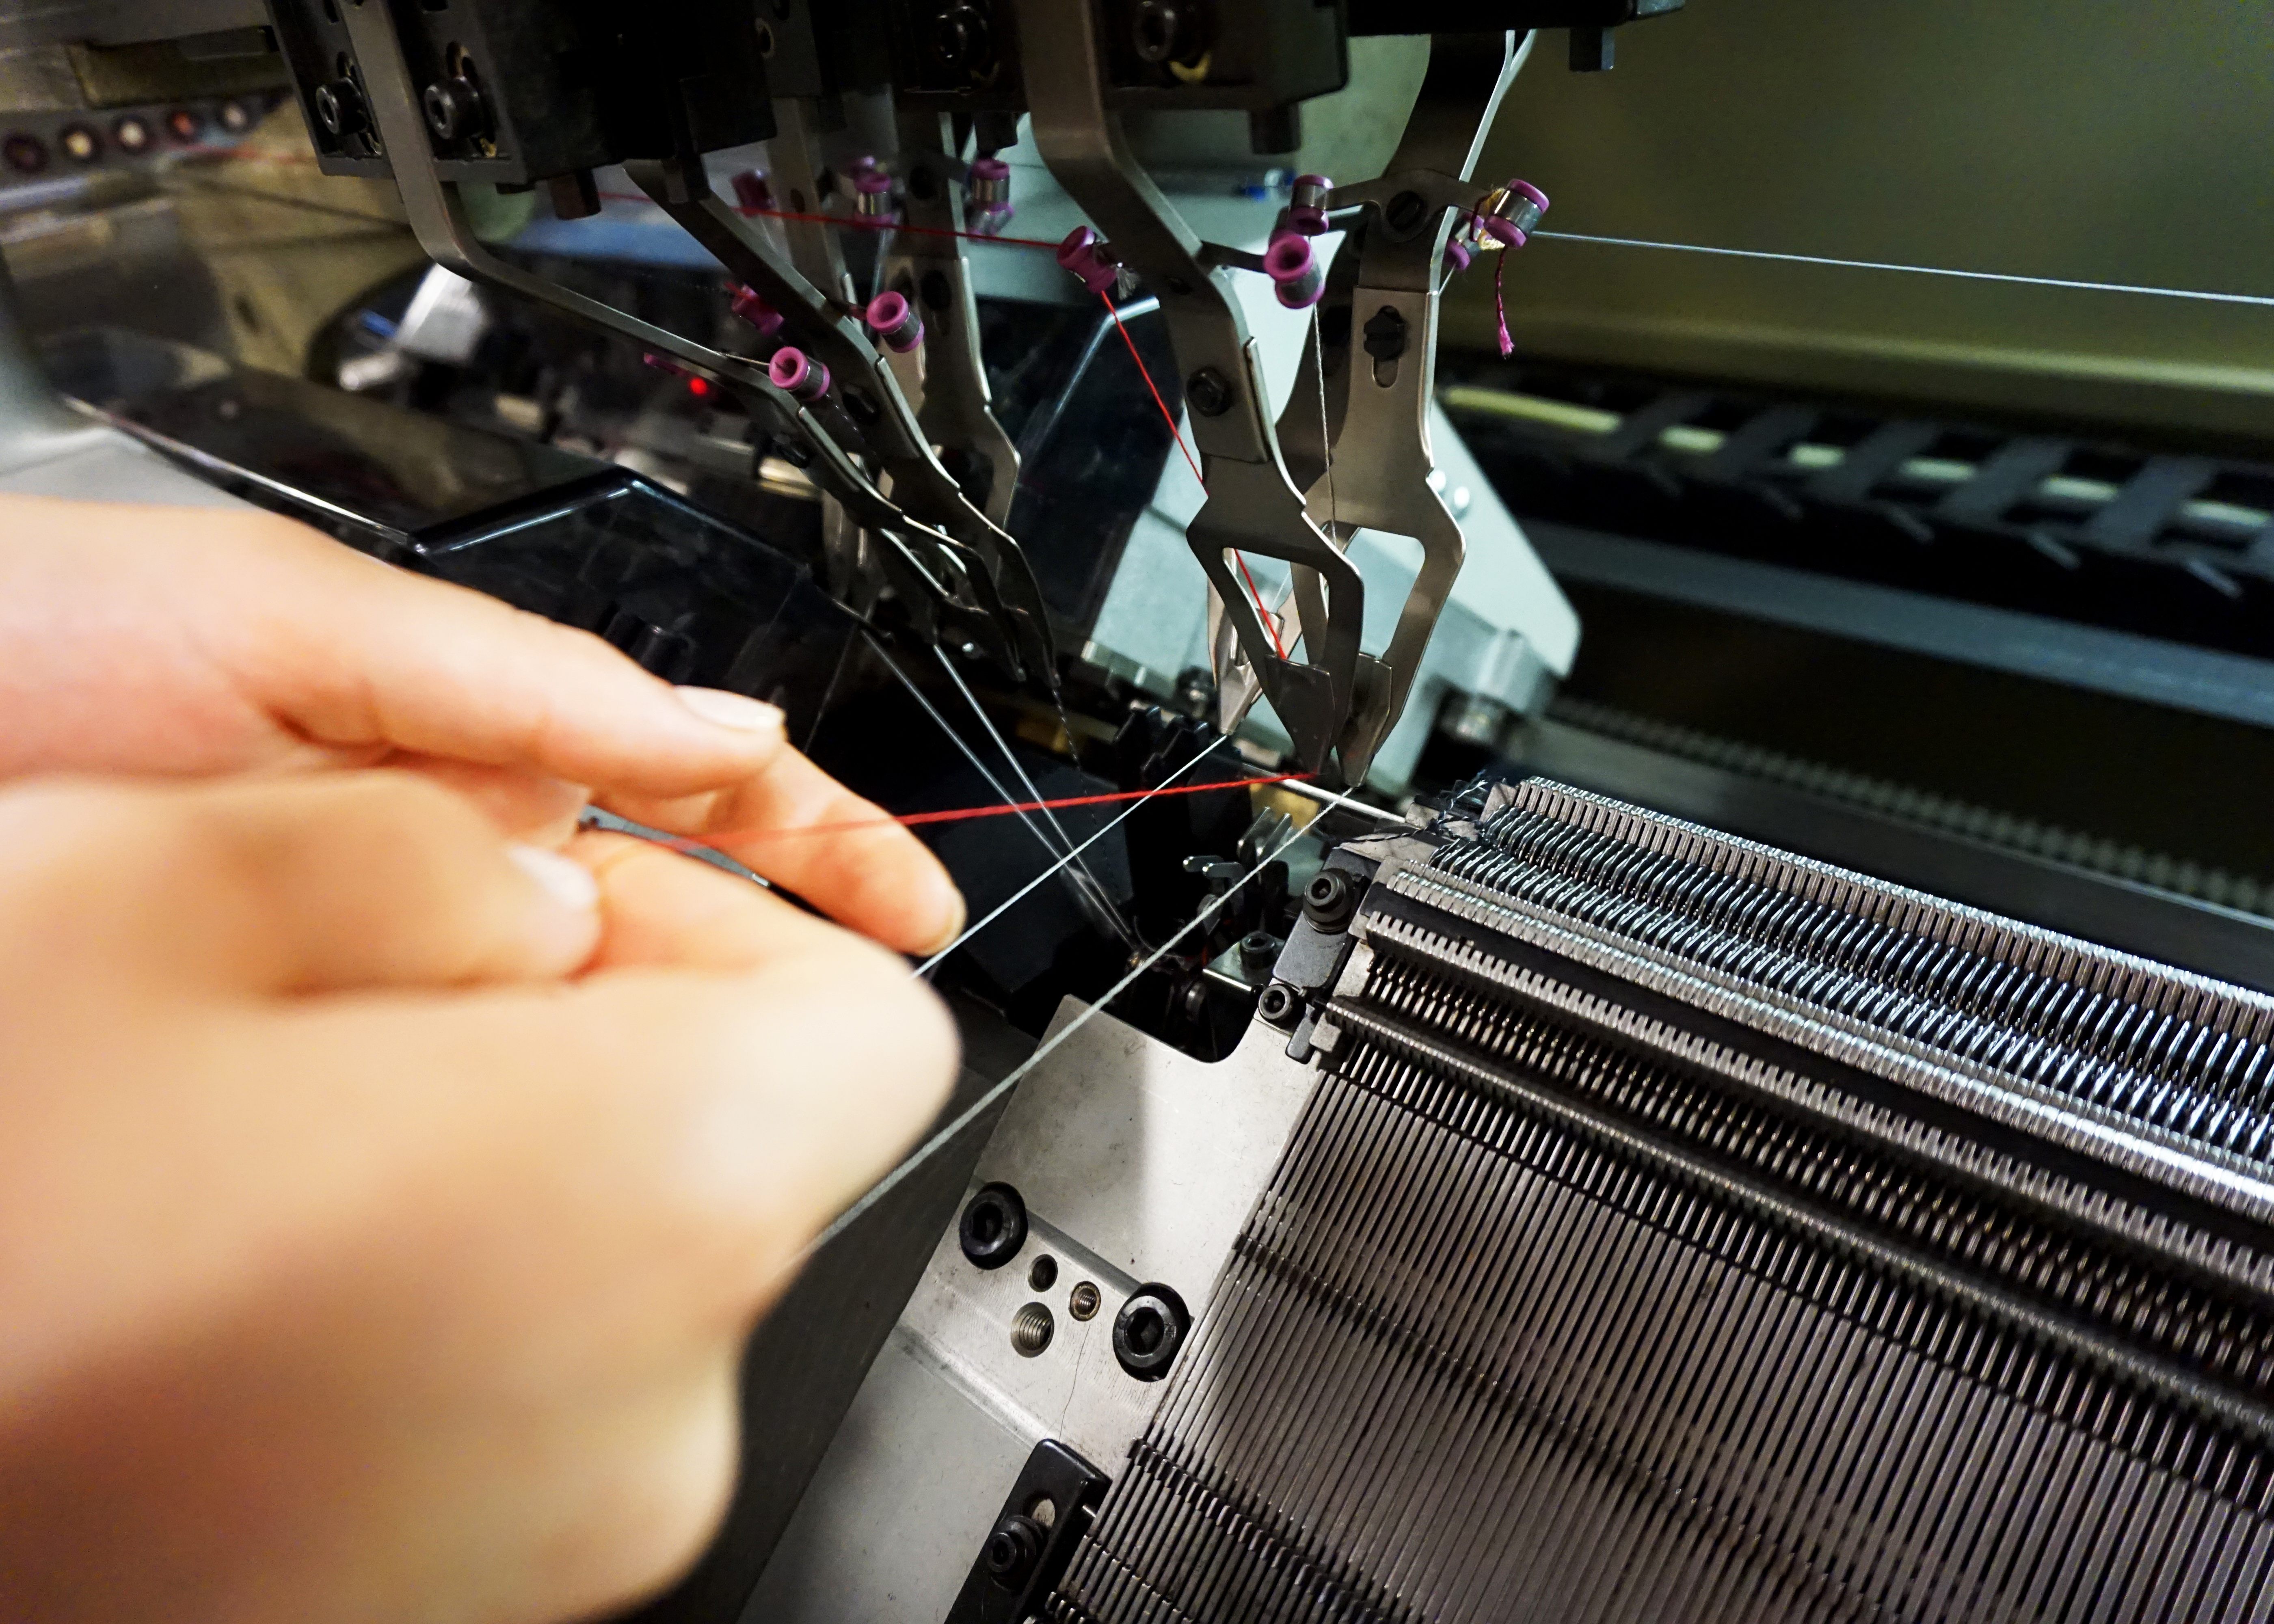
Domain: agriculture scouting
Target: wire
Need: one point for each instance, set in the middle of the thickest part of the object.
(1327, 797)
(969, 755)
(971, 1113)
(857, 223)
(2209, 296)
(2260, 299)
(1270, 625)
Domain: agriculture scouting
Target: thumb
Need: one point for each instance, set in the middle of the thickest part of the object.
(292, 885)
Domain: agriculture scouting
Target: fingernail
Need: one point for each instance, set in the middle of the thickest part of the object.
(956, 911)
(565, 880)
(737, 710)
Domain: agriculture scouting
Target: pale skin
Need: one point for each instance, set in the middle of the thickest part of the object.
(387, 1175)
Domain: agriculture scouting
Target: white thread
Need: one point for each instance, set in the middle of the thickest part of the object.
(1917, 270)
(1312, 792)
(1003, 795)
(926, 967)
(931, 1147)
(1097, 887)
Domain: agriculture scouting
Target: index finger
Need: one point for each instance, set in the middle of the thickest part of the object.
(799, 827)
(354, 654)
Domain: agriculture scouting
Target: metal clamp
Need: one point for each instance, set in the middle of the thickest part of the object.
(1383, 314)
(1251, 505)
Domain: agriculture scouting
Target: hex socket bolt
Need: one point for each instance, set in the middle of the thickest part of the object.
(1307, 208)
(895, 323)
(1148, 1331)
(798, 374)
(1331, 900)
(456, 111)
(993, 1226)
(750, 306)
(1084, 255)
(1296, 275)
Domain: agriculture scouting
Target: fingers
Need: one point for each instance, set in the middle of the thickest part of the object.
(470, 1265)
(526, 806)
(855, 864)
(664, 909)
(274, 647)
(351, 653)
(741, 1110)
(296, 885)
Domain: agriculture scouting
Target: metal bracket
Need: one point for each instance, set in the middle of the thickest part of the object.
(1033, 1539)
(1391, 317)
(1251, 505)
(872, 404)
(955, 411)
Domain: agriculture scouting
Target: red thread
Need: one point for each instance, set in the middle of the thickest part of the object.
(909, 820)
(1269, 625)
(1166, 416)
(1500, 304)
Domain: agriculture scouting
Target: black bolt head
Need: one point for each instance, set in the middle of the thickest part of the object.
(1330, 899)
(994, 1226)
(1153, 30)
(1012, 1550)
(960, 35)
(1209, 394)
(340, 107)
(1279, 1005)
(1148, 1331)
(454, 110)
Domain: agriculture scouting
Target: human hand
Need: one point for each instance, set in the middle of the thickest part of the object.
(191, 641)
(378, 1227)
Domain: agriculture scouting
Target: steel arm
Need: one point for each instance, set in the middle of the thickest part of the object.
(931, 272)
(1382, 306)
(1252, 504)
